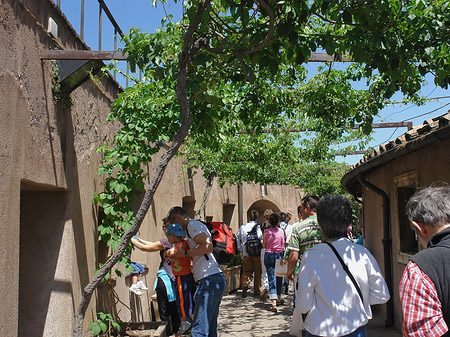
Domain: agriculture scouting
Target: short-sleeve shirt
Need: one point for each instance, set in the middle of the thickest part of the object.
(305, 234)
(202, 267)
(241, 236)
(181, 265)
(275, 240)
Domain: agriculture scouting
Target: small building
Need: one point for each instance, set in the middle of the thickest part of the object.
(384, 180)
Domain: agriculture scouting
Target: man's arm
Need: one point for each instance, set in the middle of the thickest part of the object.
(204, 246)
(147, 246)
(421, 308)
(292, 263)
(239, 239)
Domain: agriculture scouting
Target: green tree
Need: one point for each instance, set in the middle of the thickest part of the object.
(236, 67)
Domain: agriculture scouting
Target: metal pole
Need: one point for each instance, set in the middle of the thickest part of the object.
(115, 48)
(82, 20)
(100, 28)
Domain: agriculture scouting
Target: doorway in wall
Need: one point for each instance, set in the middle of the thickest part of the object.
(45, 263)
(261, 206)
(228, 211)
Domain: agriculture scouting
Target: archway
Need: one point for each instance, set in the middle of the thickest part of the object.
(260, 206)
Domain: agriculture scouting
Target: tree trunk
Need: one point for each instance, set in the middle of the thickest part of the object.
(186, 55)
(201, 212)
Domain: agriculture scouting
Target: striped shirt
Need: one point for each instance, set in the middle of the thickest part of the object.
(305, 234)
(422, 311)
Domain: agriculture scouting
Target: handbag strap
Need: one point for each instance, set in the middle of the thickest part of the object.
(346, 270)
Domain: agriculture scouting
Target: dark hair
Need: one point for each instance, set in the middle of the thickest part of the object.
(283, 216)
(177, 210)
(334, 214)
(253, 215)
(430, 206)
(274, 220)
(310, 200)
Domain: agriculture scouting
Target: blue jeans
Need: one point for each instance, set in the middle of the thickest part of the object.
(360, 332)
(275, 283)
(138, 268)
(207, 299)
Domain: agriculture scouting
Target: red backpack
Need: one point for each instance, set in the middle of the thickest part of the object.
(223, 240)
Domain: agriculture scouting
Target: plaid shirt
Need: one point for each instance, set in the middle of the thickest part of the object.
(305, 234)
(422, 310)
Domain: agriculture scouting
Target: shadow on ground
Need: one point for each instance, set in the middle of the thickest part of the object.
(251, 317)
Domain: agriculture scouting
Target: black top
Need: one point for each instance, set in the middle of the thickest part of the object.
(435, 263)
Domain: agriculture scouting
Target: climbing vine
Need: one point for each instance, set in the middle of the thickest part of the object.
(59, 94)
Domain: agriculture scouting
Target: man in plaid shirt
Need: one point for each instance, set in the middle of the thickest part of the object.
(425, 285)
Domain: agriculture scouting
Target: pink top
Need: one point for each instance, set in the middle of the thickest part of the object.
(275, 240)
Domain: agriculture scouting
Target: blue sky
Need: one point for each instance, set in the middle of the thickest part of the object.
(141, 13)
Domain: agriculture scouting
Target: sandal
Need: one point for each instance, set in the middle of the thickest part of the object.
(274, 309)
(280, 302)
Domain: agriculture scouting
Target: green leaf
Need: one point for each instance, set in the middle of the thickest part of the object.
(119, 188)
(96, 329)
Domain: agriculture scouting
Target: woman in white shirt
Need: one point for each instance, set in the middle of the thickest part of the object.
(328, 296)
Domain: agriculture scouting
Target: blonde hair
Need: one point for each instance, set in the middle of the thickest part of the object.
(267, 213)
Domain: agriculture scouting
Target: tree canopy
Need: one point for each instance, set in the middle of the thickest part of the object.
(231, 71)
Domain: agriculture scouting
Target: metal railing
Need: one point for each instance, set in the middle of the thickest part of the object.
(103, 8)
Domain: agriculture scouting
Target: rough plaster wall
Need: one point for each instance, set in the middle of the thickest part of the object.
(11, 152)
(48, 148)
(22, 62)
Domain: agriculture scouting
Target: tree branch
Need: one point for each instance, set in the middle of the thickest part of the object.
(269, 34)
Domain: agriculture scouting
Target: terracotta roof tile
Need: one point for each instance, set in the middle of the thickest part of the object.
(429, 125)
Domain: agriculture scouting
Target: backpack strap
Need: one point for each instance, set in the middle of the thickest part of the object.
(254, 229)
(346, 270)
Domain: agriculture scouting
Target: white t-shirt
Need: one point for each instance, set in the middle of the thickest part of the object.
(241, 236)
(288, 231)
(202, 267)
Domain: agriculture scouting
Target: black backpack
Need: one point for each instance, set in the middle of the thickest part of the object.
(253, 244)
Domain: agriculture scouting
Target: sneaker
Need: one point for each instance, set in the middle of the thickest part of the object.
(135, 289)
(184, 326)
(142, 285)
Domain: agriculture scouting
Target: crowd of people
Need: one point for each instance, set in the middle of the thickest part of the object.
(335, 278)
